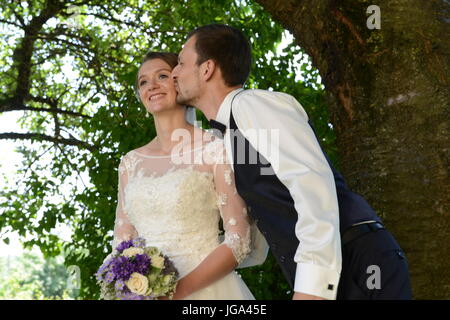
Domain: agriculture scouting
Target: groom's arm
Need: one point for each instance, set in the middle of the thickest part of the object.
(300, 164)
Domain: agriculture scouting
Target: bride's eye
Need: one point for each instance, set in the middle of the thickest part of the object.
(163, 76)
(142, 83)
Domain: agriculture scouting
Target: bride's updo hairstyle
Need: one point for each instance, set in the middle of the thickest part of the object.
(170, 58)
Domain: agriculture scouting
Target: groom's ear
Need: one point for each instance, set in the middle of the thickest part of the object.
(207, 69)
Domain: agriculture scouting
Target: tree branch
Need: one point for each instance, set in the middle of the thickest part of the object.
(112, 19)
(44, 137)
(11, 23)
(11, 105)
(346, 21)
(18, 17)
(24, 51)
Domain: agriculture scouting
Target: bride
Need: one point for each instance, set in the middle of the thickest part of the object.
(173, 193)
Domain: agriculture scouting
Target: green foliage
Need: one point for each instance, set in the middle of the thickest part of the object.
(29, 277)
(266, 281)
(89, 70)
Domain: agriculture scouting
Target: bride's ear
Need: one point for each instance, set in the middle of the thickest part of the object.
(208, 69)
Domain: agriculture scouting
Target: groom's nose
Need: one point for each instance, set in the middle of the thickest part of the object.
(174, 73)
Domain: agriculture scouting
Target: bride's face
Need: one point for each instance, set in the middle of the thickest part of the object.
(156, 87)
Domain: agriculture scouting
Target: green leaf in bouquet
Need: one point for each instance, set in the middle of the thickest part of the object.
(159, 291)
(149, 291)
(152, 277)
(167, 278)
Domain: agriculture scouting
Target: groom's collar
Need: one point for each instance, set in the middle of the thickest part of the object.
(223, 114)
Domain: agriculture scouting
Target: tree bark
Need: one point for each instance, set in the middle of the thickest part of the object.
(389, 94)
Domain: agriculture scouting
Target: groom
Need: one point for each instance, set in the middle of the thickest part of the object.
(327, 240)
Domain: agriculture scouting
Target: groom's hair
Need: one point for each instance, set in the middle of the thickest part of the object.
(228, 47)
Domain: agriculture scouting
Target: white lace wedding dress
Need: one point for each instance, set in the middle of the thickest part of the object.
(175, 203)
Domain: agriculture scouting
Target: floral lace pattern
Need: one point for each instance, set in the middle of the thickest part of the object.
(177, 208)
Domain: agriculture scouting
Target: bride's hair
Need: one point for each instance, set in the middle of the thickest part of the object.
(170, 58)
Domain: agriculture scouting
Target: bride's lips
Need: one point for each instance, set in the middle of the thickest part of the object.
(156, 96)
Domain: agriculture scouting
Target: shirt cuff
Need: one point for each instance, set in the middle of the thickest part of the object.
(316, 280)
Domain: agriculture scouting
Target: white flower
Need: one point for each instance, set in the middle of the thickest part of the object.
(157, 261)
(132, 251)
(137, 283)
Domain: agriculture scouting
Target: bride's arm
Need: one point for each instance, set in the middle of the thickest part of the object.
(123, 228)
(236, 244)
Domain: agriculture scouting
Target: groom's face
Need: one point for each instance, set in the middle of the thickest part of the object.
(186, 75)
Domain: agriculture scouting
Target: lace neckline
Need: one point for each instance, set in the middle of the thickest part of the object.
(170, 155)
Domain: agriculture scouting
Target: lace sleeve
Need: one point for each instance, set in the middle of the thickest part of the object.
(232, 208)
(123, 229)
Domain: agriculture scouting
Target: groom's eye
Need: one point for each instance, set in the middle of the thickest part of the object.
(142, 83)
(163, 76)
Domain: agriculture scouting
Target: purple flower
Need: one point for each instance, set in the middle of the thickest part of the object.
(141, 263)
(109, 277)
(127, 295)
(122, 295)
(120, 285)
(169, 267)
(124, 245)
(99, 275)
(122, 268)
(139, 243)
(104, 267)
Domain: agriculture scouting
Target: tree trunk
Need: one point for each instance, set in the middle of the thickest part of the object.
(389, 103)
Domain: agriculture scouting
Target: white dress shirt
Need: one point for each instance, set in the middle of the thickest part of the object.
(301, 166)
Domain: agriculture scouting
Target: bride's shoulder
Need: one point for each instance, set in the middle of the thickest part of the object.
(127, 159)
(133, 155)
(149, 149)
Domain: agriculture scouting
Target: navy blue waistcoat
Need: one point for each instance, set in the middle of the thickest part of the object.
(272, 207)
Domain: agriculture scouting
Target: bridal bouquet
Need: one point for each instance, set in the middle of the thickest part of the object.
(135, 272)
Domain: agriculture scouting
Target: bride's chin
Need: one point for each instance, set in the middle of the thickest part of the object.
(154, 109)
(167, 108)
(149, 110)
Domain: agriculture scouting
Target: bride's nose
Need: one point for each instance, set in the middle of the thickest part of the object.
(152, 85)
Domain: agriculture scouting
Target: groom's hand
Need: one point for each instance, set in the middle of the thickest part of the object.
(304, 296)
